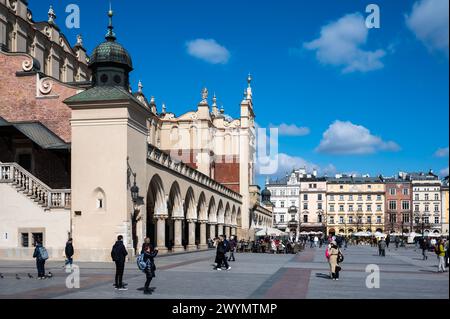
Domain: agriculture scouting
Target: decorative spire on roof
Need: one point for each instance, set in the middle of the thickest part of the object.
(222, 110)
(249, 92)
(51, 15)
(164, 108)
(215, 110)
(110, 36)
(153, 104)
(140, 86)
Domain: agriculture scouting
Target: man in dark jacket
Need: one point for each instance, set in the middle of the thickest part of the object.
(40, 261)
(118, 255)
(69, 251)
(233, 245)
(220, 255)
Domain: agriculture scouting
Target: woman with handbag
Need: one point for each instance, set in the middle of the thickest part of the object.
(335, 258)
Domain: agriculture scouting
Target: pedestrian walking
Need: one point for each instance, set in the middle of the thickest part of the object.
(41, 255)
(220, 254)
(335, 256)
(440, 252)
(69, 252)
(424, 247)
(118, 255)
(149, 253)
(233, 245)
(382, 247)
(388, 240)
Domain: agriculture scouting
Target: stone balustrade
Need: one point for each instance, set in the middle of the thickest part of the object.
(32, 187)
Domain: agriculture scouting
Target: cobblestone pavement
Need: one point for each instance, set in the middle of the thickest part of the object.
(403, 274)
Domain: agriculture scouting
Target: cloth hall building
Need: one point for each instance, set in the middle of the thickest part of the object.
(82, 155)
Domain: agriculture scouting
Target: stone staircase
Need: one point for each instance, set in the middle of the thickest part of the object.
(30, 186)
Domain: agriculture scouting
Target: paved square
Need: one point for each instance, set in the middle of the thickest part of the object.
(403, 274)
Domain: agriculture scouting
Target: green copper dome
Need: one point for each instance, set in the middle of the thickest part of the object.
(111, 52)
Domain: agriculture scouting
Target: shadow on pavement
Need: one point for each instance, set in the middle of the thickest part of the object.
(324, 276)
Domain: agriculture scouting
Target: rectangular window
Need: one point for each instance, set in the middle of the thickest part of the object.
(436, 196)
(319, 218)
(378, 208)
(360, 207)
(305, 205)
(369, 208)
(350, 197)
(341, 197)
(282, 218)
(305, 196)
(392, 218)
(369, 197)
(341, 208)
(360, 197)
(405, 191)
(369, 219)
(319, 197)
(427, 208)
(293, 203)
(378, 197)
(369, 186)
(416, 208)
(319, 206)
(331, 197)
(305, 218)
(393, 205)
(378, 219)
(392, 191)
(25, 240)
(37, 237)
(341, 220)
(416, 197)
(426, 220)
(331, 208)
(427, 196)
(405, 205)
(315, 186)
(350, 219)
(436, 208)
(331, 219)
(350, 208)
(436, 220)
(406, 218)
(282, 203)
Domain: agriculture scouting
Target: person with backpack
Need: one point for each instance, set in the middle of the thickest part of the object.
(424, 247)
(226, 243)
(69, 252)
(41, 255)
(118, 255)
(146, 263)
(335, 257)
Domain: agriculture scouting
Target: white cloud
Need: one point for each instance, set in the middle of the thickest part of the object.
(208, 50)
(291, 129)
(348, 138)
(442, 152)
(286, 163)
(444, 171)
(340, 44)
(429, 22)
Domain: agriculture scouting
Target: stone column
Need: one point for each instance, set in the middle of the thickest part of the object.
(212, 231)
(233, 230)
(161, 233)
(178, 247)
(191, 244)
(203, 243)
(227, 231)
(220, 229)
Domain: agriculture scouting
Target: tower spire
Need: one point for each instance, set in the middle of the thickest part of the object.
(110, 36)
(51, 15)
(249, 89)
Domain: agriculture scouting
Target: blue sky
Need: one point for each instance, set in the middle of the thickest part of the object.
(362, 100)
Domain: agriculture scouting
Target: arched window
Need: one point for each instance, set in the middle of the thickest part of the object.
(99, 199)
(174, 136)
